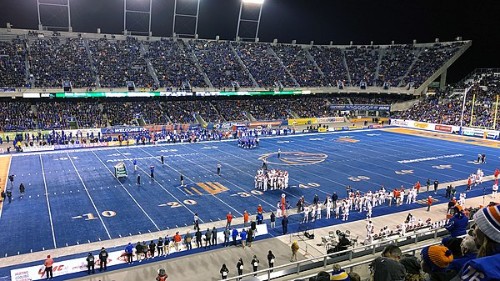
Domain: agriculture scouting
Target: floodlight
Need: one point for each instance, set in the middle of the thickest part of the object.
(258, 2)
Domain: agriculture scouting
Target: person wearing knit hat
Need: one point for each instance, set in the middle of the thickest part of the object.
(487, 236)
(338, 274)
(435, 261)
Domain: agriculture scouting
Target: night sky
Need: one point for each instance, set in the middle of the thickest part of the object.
(340, 21)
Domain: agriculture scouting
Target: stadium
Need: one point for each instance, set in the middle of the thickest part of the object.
(248, 140)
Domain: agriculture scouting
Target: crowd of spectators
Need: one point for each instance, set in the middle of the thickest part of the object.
(119, 61)
(180, 64)
(445, 107)
(300, 66)
(12, 63)
(429, 60)
(174, 66)
(331, 62)
(362, 64)
(219, 62)
(395, 62)
(52, 62)
(263, 64)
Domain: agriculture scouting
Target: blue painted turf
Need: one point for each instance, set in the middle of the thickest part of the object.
(81, 184)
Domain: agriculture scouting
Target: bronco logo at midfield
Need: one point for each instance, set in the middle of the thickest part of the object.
(293, 158)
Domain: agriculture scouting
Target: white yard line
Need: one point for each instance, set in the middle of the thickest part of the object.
(90, 197)
(48, 203)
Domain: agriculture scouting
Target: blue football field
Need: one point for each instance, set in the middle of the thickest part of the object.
(72, 197)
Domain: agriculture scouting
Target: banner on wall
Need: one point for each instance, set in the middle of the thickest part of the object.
(330, 119)
(37, 272)
(302, 121)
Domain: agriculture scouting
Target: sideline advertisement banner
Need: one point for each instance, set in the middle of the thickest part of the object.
(38, 148)
(444, 128)
(330, 120)
(264, 124)
(37, 272)
(302, 121)
(122, 129)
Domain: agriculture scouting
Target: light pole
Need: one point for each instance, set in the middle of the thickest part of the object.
(186, 15)
(250, 4)
(56, 8)
(463, 109)
(127, 10)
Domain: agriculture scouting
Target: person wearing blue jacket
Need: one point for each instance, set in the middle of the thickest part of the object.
(129, 250)
(457, 225)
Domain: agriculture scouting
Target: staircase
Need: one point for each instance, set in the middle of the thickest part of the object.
(311, 59)
(245, 69)
(94, 69)
(417, 54)
(379, 61)
(344, 61)
(183, 46)
(151, 69)
(271, 51)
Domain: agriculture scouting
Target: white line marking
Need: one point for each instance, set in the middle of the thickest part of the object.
(48, 204)
(139, 205)
(90, 197)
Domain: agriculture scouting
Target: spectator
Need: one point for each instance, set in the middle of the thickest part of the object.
(469, 252)
(487, 236)
(387, 267)
(339, 274)
(162, 275)
(413, 268)
(435, 262)
(224, 271)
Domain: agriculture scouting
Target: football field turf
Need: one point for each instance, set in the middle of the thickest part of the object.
(72, 197)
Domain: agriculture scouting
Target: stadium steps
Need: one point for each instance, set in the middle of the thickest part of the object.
(344, 61)
(443, 69)
(381, 53)
(245, 69)
(273, 53)
(183, 45)
(311, 59)
(250, 117)
(151, 69)
(415, 58)
(89, 54)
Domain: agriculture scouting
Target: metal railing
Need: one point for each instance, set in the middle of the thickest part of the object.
(347, 255)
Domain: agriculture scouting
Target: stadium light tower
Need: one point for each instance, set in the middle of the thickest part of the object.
(53, 9)
(187, 12)
(249, 6)
(131, 11)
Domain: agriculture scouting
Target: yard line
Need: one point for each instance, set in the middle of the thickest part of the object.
(139, 205)
(48, 204)
(252, 176)
(251, 194)
(162, 187)
(88, 194)
(194, 181)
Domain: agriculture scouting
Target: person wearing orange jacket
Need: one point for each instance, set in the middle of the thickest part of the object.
(245, 218)
(429, 203)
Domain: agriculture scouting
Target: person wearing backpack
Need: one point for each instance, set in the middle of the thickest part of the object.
(224, 271)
